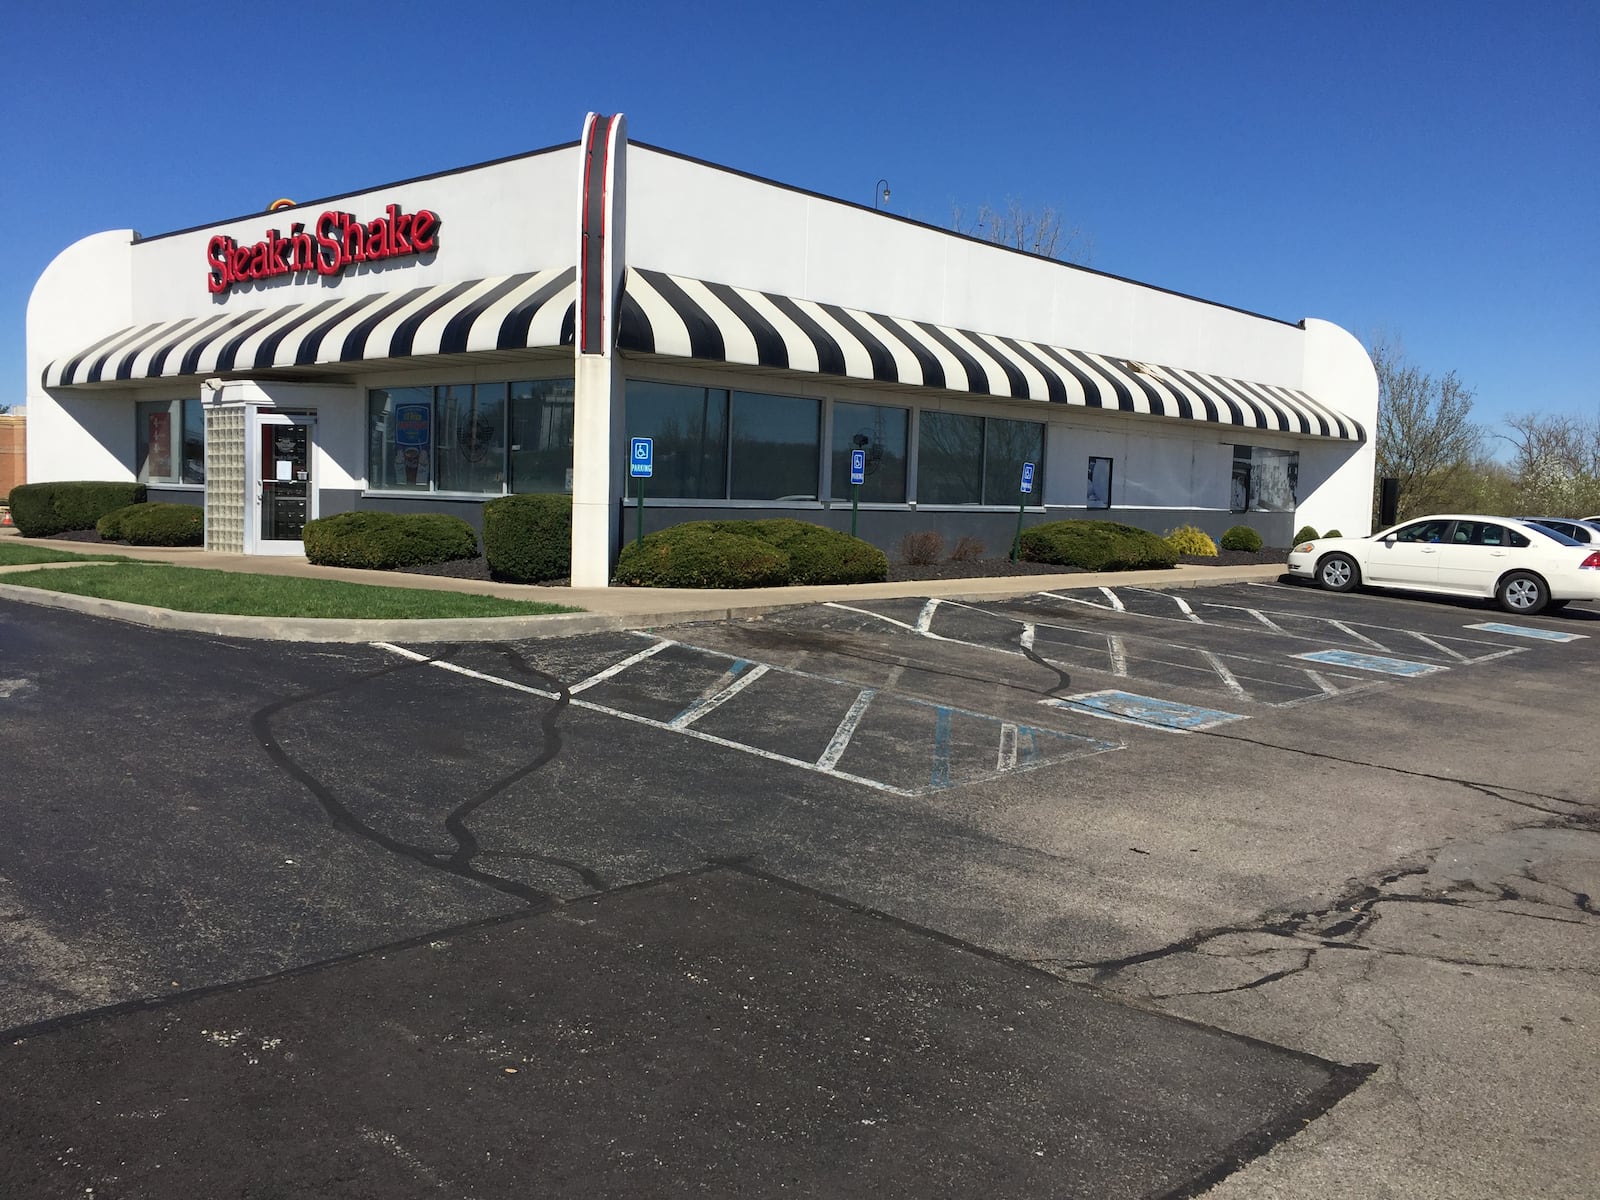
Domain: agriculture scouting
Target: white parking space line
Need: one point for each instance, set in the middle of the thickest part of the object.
(1327, 688)
(456, 669)
(616, 668)
(1007, 757)
(1116, 602)
(1266, 620)
(925, 617)
(840, 742)
(1360, 637)
(1119, 655)
(1028, 630)
(1440, 647)
(1227, 676)
(1183, 607)
(742, 674)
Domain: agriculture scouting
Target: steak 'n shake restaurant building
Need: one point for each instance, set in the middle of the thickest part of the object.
(427, 345)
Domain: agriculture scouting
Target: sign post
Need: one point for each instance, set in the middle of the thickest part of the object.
(1022, 504)
(641, 465)
(858, 476)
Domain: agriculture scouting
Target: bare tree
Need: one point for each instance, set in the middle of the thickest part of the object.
(1556, 462)
(1426, 437)
(1034, 230)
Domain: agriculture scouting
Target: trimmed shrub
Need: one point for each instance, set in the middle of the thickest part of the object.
(1333, 533)
(158, 524)
(1241, 537)
(385, 541)
(968, 549)
(1189, 542)
(1304, 534)
(816, 554)
(696, 556)
(921, 548)
(528, 539)
(739, 554)
(45, 509)
(1096, 546)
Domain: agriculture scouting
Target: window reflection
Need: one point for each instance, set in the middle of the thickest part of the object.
(879, 432)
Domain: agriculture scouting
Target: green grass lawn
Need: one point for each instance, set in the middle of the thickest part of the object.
(13, 554)
(194, 589)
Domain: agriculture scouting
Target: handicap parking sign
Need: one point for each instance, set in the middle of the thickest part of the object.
(641, 461)
(858, 466)
(1027, 478)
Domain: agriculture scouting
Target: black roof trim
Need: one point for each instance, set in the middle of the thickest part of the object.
(965, 236)
(493, 162)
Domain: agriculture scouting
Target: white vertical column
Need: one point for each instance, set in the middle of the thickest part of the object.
(598, 414)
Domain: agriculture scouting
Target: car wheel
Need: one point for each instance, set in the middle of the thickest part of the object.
(1522, 593)
(1338, 573)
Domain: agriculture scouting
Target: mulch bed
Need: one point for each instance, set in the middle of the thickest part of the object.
(980, 568)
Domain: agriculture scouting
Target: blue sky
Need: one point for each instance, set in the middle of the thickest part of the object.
(1427, 169)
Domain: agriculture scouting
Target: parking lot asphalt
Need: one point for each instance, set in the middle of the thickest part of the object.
(1329, 835)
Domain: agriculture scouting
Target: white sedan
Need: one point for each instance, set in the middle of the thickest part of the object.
(1526, 567)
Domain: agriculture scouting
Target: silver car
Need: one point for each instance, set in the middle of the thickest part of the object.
(1586, 531)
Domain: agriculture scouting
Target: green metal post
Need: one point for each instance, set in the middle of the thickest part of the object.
(855, 501)
(640, 505)
(1016, 542)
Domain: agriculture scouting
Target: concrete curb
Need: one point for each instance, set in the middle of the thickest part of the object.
(637, 607)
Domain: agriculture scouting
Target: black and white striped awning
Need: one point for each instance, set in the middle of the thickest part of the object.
(690, 318)
(511, 312)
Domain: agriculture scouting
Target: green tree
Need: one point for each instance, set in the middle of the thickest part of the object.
(1426, 437)
(1556, 464)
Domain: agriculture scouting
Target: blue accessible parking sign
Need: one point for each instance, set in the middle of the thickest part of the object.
(858, 467)
(641, 460)
(1027, 478)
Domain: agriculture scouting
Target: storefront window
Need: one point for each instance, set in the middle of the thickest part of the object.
(1265, 479)
(881, 433)
(470, 423)
(1006, 446)
(977, 460)
(541, 436)
(689, 426)
(454, 438)
(949, 459)
(775, 447)
(400, 432)
(1098, 493)
(170, 441)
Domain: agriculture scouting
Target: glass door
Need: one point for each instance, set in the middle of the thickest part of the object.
(285, 492)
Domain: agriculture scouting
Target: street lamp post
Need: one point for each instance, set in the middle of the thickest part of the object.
(880, 192)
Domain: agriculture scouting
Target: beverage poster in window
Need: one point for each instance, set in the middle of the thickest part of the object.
(412, 425)
(1099, 493)
(159, 438)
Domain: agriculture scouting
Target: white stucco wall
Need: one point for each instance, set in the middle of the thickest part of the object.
(710, 223)
(85, 293)
(1336, 478)
(498, 219)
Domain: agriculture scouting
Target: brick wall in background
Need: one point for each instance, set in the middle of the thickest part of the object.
(13, 452)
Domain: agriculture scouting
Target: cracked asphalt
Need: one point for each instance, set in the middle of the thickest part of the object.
(1343, 944)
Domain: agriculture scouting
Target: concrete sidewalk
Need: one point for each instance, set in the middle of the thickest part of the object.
(603, 608)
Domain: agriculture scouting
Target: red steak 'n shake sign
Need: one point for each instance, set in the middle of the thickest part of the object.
(335, 241)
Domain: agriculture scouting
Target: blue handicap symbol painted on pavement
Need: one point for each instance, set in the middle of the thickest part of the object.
(1528, 631)
(1145, 710)
(1371, 662)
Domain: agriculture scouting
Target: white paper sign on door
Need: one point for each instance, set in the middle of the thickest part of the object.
(285, 470)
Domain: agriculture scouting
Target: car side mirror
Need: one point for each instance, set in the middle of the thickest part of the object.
(1389, 541)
